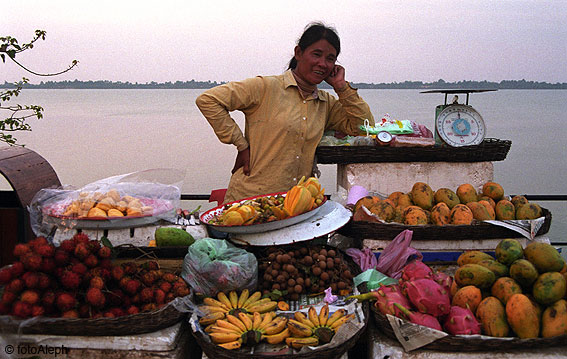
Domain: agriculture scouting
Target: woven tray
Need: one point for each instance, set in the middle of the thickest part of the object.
(454, 343)
(477, 230)
(491, 149)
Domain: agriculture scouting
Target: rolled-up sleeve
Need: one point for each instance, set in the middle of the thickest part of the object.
(348, 113)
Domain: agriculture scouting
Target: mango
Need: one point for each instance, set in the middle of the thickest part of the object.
(519, 200)
(529, 211)
(505, 210)
(489, 208)
(554, 319)
(499, 269)
(404, 201)
(489, 200)
(467, 193)
(384, 210)
(505, 287)
(440, 214)
(468, 296)
(549, 288)
(472, 257)
(544, 257)
(508, 250)
(523, 316)
(474, 274)
(395, 196)
(461, 214)
(173, 237)
(523, 272)
(422, 195)
(491, 314)
(367, 201)
(415, 216)
(493, 190)
(479, 211)
(447, 196)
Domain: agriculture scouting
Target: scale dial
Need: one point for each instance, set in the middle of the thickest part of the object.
(460, 125)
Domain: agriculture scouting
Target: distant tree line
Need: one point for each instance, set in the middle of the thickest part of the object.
(439, 84)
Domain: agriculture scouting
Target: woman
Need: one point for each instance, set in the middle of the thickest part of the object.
(286, 116)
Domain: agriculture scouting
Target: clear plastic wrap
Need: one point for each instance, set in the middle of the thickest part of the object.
(213, 265)
(122, 201)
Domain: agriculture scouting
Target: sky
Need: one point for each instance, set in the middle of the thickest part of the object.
(382, 41)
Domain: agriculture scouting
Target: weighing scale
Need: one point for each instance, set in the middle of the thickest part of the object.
(458, 125)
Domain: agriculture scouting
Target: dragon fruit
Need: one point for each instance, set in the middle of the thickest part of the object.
(420, 318)
(461, 321)
(444, 280)
(415, 270)
(387, 296)
(427, 296)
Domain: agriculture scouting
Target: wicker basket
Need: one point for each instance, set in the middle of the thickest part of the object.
(454, 343)
(477, 230)
(491, 149)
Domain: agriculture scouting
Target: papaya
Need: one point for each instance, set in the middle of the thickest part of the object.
(395, 196)
(493, 190)
(440, 214)
(523, 316)
(505, 210)
(489, 200)
(422, 195)
(523, 272)
(474, 274)
(472, 257)
(468, 296)
(529, 211)
(508, 250)
(367, 201)
(544, 257)
(489, 208)
(505, 287)
(415, 216)
(479, 211)
(384, 210)
(519, 200)
(554, 319)
(447, 196)
(454, 289)
(173, 237)
(467, 193)
(491, 314)
(549, 288)
(461, 214)
(499, 269)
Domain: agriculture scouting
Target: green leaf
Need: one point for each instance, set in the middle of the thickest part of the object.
(106, 242)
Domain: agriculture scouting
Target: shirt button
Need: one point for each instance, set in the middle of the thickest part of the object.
(304, 101)
(296, 156)
(304, 118)
(295, 179)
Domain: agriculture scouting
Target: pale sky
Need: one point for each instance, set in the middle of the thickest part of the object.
(382, 41)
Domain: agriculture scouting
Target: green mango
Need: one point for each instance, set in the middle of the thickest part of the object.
(173, 237)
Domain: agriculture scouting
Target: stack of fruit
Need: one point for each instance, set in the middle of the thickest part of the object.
(444, 206)
(79, 280)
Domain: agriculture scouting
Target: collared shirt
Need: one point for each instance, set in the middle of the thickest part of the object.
(281, 128)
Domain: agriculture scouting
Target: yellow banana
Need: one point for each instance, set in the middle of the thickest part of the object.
(335, 316)
(276, 338)
(297, 343)
(243, 297)
(220, 338)
(233, 297)
(211, 309)
(256, 320)
(313, 317)
(231, 345)
(302, 318)
(234, 320)
(256, 303)
(218, 329)
(251, 299)
(299, 329)
(335, 326)
(266, 320)
(276, 326)
(208, 328)
(212, 302)
(264, 307)
(246, 320)
(211, 318)
(228, 325)
(324, 314)
(224, 299)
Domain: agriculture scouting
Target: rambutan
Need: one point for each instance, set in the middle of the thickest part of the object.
(123, 281)
(17, 269)
(61, 257)
(73, 313)
(5, 275)
(5, 309)
(91, 261)
(96, 282)
(132, 310)
(37, 311)
(68, 246)
(47, 265)
(45, 281)
(9, 297)
(79, 268)
(70, 280)
(45, 250)
(149, 278)
(115, 298)
(149, 307)
(82, 251)
(39, 241)
(159, 296)
(105, 263)
(169, 277)
(65, 301)
(93, 246)
(31, 280)
(48, 298)
(15, 286)
(117, 273)
(95, 297)
(165, 286)
(151, 265)
(182, 291)
(85, 310)
(132, 286)
(21, 249)
(30, 296)
(104, 252)
(130, 268)
(118, 312)
(108, 314)
(80, 238)
(146, 295)
(32, 261)
(21, 309)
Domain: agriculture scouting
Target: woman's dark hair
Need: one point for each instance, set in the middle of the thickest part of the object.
(314, 32)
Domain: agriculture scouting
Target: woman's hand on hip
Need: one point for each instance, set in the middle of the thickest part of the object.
(243, 160)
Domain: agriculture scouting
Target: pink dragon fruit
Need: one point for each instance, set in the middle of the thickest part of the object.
(420, 318)
(427, 296)
(387, 297)
(415, 270)
(461, 321)
(444, 280)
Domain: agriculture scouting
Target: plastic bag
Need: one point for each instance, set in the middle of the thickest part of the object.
(214, 265)
(144, 196)
(395, 127)
(395, 256)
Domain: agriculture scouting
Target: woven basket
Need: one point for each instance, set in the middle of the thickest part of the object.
(491, 149)
(477, 230)
(454, 343)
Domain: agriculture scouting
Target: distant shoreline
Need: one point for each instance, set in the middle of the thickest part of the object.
(440, 84)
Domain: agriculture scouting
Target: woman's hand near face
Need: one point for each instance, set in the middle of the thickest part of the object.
(242, 160)
(337, 78)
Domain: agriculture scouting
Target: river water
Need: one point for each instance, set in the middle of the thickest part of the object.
(87, 135)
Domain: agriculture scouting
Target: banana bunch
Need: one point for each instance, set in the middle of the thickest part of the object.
(304, 196)
(233, 303)
(315, 328)
(240, 329)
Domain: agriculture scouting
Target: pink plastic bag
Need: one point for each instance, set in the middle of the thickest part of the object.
(365, 258)
(395, 256)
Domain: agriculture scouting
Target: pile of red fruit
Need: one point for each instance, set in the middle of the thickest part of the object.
(79, 280)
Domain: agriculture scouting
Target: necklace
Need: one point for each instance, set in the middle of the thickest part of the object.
(305, 89)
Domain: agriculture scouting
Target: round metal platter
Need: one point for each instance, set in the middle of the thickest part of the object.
(329, 218)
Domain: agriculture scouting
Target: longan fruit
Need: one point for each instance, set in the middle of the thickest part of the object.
(347, 274)
(330, 263)
(331, 253)
(275, 272)
(299, 280)
(280, 278)
(341, 285)
(323, 252)
(303, 250)
(323, 265)
(337, 260)
(276, 286)
(333, 287)
(285, 258)
(298, 288)
(324, 276)
(308, 260)
(279, 258)
(267, 277)
(290, 282)
(294, 296)
(317, 271)
(271, 257)
(276, 265)
(308, 282)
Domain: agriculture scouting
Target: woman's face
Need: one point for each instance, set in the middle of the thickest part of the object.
(314, 64)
